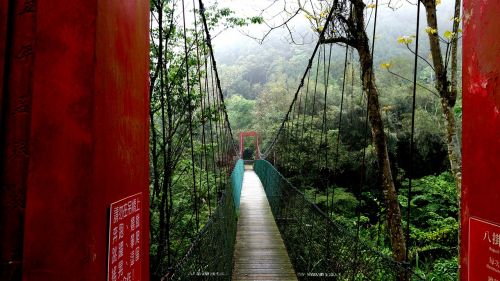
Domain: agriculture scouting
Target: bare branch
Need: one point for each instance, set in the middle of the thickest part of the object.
(422, 58)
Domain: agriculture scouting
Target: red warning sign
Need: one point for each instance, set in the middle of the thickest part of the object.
(124, 251)
(484, 250)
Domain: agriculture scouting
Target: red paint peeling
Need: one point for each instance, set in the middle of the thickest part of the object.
(483, 84)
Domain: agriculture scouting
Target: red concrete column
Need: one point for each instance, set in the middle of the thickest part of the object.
(481, 141)
(86, 131)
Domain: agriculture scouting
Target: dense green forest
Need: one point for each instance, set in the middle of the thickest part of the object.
(260, 83)
(191, 167)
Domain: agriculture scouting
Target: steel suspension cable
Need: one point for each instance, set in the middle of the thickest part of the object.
(352, 85)
(190, 118)
(293, 136)
(212, 148)
(217, 131)
(324, 133)
(294, 111)
(169, 197)
(336, 155)
(223, 135)
(412, 134)
(204, 157)
(316, 88)
(298, 110)
(214, 66)
(202, 110)
(324, 128)
(311, 127)
(305, 103)
(166, 198)
(302, 80)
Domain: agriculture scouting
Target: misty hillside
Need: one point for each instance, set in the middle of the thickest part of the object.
(246, 66)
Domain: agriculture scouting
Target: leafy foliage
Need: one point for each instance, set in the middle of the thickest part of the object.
(259, 86)
(434, 205)
(191, 149)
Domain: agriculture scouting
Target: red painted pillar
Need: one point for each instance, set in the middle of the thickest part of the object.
(74, 133)
(242, 144)
(480, 242)
(257, 136)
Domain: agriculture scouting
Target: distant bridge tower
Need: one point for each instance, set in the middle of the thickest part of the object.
(256, 141)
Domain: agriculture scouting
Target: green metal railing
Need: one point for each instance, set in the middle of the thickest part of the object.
(320, 248)
(237, 181)
(211, 254)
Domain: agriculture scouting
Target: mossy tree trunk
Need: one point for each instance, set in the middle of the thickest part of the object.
(356, 37)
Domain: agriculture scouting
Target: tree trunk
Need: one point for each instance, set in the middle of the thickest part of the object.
(448, 96)
(397, 238)
(454, 90)
(454, 93)
(379, 140)
(454, 48)
(160, 253)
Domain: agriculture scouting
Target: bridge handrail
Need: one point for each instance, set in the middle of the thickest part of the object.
(361, 246)
(196, 262)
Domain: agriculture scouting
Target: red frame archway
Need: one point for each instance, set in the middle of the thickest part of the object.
(242, 142)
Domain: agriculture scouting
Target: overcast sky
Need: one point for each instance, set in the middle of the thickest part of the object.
(244, 8)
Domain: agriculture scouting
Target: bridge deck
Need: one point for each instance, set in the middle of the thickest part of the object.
(260, 253)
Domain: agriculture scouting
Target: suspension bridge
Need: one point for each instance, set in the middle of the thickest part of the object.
(110, 174)
(263, 227)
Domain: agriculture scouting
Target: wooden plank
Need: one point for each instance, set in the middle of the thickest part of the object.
(260, 253)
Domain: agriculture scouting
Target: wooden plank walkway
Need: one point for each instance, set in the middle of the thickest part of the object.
(260, 253)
